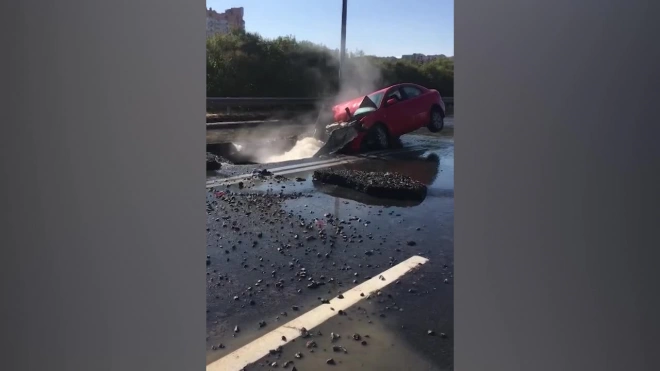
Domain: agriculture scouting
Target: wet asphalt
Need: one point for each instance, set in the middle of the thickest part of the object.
(268, 240)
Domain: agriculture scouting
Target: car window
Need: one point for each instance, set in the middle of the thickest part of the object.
(395, 93)
(411, 91)
(376, 98)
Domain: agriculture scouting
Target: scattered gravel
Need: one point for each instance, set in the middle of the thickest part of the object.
(260, 250)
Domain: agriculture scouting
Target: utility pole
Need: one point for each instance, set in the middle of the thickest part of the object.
(342, 51)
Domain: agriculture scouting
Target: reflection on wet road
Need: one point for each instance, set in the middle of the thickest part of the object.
(263, 254)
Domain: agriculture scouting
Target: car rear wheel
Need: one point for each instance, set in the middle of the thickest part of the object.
(437, 120)
(376, 139)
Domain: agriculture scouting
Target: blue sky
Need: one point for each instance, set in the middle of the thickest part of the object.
(378, 27)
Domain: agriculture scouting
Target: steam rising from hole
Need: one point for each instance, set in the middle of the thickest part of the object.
(304, 148)
(360, 76)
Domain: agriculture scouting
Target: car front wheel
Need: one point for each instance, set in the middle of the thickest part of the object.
(376, 139)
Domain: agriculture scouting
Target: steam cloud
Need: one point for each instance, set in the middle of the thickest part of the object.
(304, 148)
(359, 77)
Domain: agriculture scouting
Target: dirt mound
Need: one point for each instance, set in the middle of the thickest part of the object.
(377, 184)
(213, 162)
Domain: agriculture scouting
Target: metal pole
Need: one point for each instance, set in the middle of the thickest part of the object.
(342, 51)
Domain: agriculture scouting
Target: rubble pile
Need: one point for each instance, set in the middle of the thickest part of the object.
(377, 184)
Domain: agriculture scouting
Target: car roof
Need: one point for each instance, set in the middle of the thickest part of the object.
(393, 86)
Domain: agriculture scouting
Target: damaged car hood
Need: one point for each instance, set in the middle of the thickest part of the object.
(347, 116)
(339, 110)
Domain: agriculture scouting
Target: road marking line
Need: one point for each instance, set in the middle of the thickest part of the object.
(260, 347)
(245, 176)
(315, 167)
(347, 161)
(335, 159)
(307, 165)
(338, 158)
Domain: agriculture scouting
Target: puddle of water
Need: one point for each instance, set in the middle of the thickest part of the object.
(432, 168)
(444, 180)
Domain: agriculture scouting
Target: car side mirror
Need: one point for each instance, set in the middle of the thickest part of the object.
(391, 101)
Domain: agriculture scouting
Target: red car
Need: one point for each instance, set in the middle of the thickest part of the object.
(382, 116)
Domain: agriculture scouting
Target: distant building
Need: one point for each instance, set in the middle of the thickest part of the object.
(222, 23)
(421, 58)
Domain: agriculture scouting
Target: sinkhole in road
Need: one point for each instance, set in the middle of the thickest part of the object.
(266, 151)
(303, 148)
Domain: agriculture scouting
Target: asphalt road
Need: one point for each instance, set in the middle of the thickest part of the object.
(265, 248)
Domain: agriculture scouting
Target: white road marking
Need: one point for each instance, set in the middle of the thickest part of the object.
(347, 161)
(338, 158)
(314, 165)
(259, 348)
(273, 170)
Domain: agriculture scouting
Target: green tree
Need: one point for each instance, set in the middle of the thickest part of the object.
(244, 64)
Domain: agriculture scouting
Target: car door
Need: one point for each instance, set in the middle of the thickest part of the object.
(398, 116)
(416, 104)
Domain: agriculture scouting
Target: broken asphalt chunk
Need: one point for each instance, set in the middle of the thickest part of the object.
(337, 348)
(378, 184)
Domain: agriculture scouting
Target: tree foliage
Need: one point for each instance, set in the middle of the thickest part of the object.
(243, 64)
